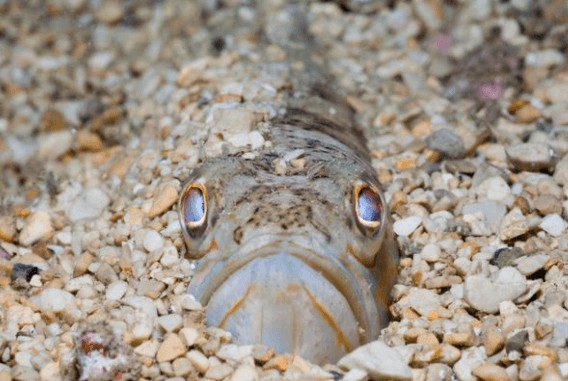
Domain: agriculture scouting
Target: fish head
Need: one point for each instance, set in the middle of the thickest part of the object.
(298, 261)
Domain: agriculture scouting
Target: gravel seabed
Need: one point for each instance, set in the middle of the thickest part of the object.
(106, 105)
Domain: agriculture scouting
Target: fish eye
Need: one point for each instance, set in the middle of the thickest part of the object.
(193, 209)
(368, 207)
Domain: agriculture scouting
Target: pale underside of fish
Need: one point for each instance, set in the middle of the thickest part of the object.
(297, 255)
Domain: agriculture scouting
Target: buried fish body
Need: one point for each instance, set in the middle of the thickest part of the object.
(295, 246)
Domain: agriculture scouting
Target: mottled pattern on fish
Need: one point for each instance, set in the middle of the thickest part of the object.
(295, 244)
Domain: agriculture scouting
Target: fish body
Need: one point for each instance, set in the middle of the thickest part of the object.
(295, 247)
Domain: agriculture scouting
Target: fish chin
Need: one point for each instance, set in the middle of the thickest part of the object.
(282, 302)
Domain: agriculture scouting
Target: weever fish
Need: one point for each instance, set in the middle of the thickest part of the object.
(301, 258)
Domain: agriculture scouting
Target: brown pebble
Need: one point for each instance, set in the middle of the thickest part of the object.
(52, 120)
(7, 228)
(547, 204)
(172, 347)
(536, 349)
(82, 264)
(493, 341)
(165, 198)
(490, 372)
(523, 204)
(107, 118)
(527, 114)
(280, 363)
(88, 141)
(460, 338)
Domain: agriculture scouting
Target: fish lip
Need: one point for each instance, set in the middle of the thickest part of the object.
(204, 286)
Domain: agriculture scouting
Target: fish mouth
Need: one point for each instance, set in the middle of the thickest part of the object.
(288, 298)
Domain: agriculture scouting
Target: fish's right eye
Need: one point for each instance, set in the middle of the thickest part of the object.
(193, 209)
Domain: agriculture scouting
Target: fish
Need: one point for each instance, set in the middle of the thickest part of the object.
(294, 247)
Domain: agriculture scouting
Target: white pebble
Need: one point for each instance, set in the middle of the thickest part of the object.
(170, 323)
(90, 204)
(244, 372)
(189, 303)
(378, 360)
(486, 294)
(116, 290)
(153, 241)
(406, 226)
(198, 360)
(38, 226)
(553, 224)
(430, 252)
(56, 300)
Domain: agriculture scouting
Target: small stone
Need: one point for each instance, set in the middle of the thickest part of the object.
(557, 92)
(90, 204)
(356, 375)
(106, 274)
(52, 120)
(151, 288)
(486, 294)
(165, 198)
(38, 226)
(490, 372)
(493, 341)
(88, 141)
(198, 360)
(420, 300)
(559, 113)
(116, 290)
(493, 188)
(56, 300)
(172, 347)
(262, 353)
(233, 352)
(189, 303)
(471, 358)
(506, 256)
(182, 366)
(544, 58)
(404, 227)
(561, 171)
(110, 12)
(527, 114)
(514, 225)
(430, 252)
(517, 341)
(553, 224)
(532, 157)
(491, 213)
(219, 372)
(148, 348)
(246, 372)
(189, 336)
(547, 204)
(50, 371)
(279, 362)
(23, 271)
(532, 263)
(378, 360)
(53, 145)
(153, 241)
(447, 143)
(170, 323)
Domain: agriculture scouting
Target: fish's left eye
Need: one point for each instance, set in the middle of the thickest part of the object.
(193, 209)
(368, 206)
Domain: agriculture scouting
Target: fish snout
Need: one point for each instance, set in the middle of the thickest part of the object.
(282, 302)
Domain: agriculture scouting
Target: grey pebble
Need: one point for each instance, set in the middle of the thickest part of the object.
(447, 143)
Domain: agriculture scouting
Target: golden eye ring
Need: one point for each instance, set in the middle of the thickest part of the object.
(368, 206)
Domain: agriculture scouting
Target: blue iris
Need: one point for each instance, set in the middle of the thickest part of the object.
(194, 205)
(369, 205)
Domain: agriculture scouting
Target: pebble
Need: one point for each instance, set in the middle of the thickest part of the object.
(56, 300)
(153, 241)
(148, 348)
(189, 336)
(21, 270)
(514, 224)
(172, 347)
(557, 92)
(380, 361)
(198, 360)
(219, 372)
(164, 199)
(406, 226)
(492, 213)
(447, 143)
(547, 204)
(486, 294)
(544, 58)
(532, 263)
(89, 204)
(245, 372)
(110, 12)
(490, 372)
(531, 157)
(561, 171)
(38, 226)
(53, 145)
(493, 188)
(170, 323)
(470, 360)
(431, 252)
(182, 366)
(553, 224)
(116, 290)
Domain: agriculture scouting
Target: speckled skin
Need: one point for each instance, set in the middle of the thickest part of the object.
(283, 259)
